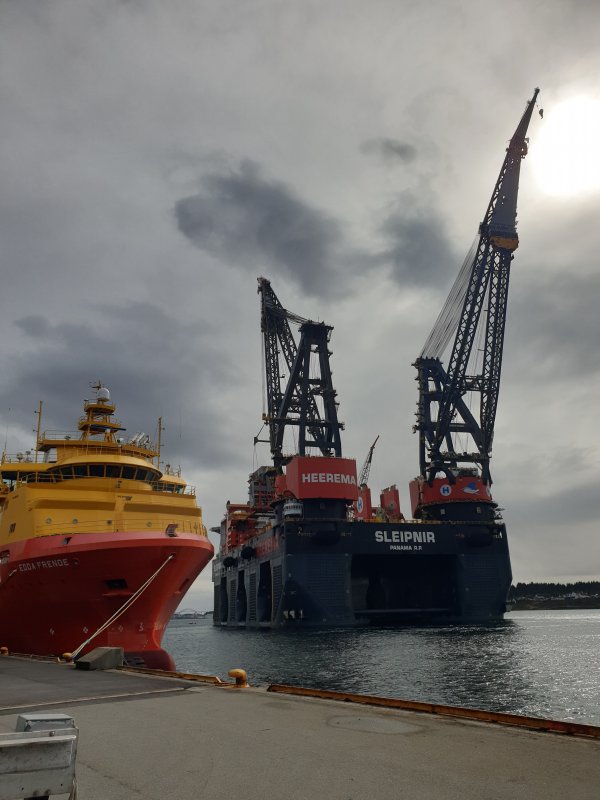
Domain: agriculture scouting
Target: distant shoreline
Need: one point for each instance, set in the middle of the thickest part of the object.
(554, 603)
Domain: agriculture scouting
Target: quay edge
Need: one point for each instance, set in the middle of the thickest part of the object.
(156, 737)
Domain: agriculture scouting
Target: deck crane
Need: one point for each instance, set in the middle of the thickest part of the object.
(363, 507)
(363, 477)
(308, 399)
(476, 306)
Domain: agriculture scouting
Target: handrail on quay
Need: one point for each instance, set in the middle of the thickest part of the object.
(37, 763)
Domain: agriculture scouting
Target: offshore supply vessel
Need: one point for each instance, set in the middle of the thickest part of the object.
(309, 548)
(98, 545)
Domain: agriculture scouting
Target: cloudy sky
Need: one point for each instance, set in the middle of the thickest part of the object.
(157, 157)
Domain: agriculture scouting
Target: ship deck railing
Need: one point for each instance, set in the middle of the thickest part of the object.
(161, 487)
(76, 436)
(139, 523)
(78, 446)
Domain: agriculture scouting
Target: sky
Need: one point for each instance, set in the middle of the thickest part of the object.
(156, 158)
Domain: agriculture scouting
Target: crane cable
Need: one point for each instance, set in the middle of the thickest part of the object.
(263, 370)
(127, 604)
(449, 316)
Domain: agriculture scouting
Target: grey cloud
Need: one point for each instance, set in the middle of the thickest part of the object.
(154, 364)
(418, 247)
(390, 149)
(575, 504)
(35, 326)
(249, 222)
(558, 321)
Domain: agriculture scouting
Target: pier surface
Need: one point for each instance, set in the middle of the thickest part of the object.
(154, 737)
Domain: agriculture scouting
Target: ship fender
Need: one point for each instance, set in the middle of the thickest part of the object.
(229, 561)
(248, 552)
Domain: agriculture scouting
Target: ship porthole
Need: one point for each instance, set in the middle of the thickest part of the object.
(75, 521)
(48, 520)
(149, 524)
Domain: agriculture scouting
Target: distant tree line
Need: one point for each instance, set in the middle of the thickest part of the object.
(527, 590)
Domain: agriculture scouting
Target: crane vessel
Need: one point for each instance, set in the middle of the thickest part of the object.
(309, 548)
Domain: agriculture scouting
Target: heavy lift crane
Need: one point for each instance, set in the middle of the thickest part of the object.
(308, 399)
(303, 399)
(475, 306)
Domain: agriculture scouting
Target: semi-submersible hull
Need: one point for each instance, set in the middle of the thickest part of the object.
(322, 573)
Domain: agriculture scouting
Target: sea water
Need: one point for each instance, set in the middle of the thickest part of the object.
(537, 663)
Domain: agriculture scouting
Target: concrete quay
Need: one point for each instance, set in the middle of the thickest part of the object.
(161, 737)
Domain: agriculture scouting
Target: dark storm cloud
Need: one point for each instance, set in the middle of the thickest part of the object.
(154, 364)
(249, 222)
(390, 150)
(418, 248)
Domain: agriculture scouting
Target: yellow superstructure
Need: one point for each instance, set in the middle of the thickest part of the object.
(93, 481)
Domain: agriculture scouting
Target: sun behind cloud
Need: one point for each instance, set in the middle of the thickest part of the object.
(566, 153)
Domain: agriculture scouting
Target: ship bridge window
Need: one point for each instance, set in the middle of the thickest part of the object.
(146, 475)
(175, 488)
(100, 471)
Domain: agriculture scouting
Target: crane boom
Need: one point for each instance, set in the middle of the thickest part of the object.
(482, 283)
(308, 400)
(363, 477)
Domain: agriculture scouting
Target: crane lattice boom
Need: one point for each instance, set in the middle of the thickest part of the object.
(476, 304)
(363, 477)
(308, 398)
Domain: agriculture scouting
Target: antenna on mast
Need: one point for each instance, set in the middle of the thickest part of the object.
(39, 425)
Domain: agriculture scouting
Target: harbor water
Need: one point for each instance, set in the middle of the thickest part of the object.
(537, 663)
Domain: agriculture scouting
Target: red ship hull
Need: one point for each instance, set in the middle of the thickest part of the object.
(57, 591)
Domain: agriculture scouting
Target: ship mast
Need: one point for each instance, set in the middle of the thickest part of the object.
(159, 442)
(99, 419)
(39, 425)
